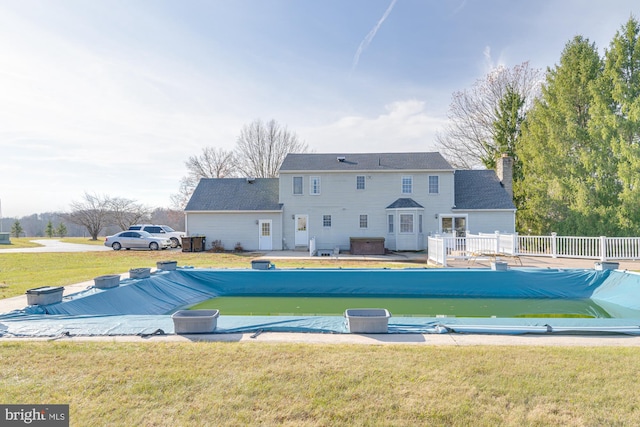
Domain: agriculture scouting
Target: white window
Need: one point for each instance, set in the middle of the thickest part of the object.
(360, 182)
(420, 224)
(297, 185)
(314, 185)
(326, 220)
(434, 187)
(407, 184)
(406, 223)
(390, 224)
(364, 221)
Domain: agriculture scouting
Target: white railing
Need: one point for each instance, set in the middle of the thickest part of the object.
(436, 250)
(622, 248)
(601, 248)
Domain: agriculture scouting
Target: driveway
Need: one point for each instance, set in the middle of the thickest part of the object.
(49, 245)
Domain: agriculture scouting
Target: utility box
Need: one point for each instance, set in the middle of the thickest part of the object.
(367, 320)
(44, 295)
(366, 245)
(195, 321)
(5, 238)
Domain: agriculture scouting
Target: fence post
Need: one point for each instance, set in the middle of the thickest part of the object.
(554, 251)
(603, 248)
(516, 247)
(497, 242)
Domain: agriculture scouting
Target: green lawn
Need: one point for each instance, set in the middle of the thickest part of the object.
(237, 384)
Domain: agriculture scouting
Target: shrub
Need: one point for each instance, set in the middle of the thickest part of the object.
(216, 246)
(238, 247)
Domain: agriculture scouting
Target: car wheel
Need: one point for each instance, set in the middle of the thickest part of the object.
(116, 246)
(174, 242)
(154, 246)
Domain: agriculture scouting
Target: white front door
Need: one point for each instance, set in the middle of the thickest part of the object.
(265, 242)
(302, 232)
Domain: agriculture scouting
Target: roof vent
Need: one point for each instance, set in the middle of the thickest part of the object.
(251, 179)
(341, 158)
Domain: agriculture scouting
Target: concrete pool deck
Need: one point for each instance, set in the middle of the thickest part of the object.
(457, 340)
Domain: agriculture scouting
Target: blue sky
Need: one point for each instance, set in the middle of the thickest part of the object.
(111, 97)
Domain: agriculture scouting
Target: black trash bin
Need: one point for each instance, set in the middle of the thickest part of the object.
(198, 244)
(187, 244)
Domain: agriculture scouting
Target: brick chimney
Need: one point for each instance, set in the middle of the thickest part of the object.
(504, 170)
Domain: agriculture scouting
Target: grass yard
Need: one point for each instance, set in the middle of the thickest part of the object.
(184, 384)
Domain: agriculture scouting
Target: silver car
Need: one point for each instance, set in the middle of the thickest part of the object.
(136, 240)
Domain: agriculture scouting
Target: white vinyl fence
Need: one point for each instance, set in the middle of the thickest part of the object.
(485, 244)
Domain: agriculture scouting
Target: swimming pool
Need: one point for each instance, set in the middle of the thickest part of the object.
(140, 306)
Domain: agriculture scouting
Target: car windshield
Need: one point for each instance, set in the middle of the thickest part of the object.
(168, 229)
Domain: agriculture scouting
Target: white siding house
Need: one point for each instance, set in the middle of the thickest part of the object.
(401, 197)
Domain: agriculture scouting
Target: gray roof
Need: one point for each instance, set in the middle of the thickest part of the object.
(235, 194)
(364, 161)
(404, 203)
(480, 189)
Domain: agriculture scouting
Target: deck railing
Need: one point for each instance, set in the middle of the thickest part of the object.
(473, 245)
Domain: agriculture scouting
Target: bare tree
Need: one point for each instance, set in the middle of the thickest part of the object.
(97, 212)
(126, 212)
(469, 139)
(93, 213)
(212, 163)
(261, 148)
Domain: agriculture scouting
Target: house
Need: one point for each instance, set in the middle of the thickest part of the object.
(400, 197)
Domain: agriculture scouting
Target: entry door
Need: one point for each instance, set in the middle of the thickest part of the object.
(265, 241)
(302, 233)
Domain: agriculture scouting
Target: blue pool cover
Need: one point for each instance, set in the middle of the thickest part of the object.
(144, 306)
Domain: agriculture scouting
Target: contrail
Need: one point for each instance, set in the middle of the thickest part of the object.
(367, 40)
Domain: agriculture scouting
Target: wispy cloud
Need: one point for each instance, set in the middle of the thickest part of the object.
(405, 125)
(367, 40)
(489, 63)
(460, 7)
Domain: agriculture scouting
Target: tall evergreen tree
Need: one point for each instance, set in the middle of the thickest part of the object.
(61, 230)
(16, 229)
(508, 123)
(618, 120)
(49, 231)
(566, 185)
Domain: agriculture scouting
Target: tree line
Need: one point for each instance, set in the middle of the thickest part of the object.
(78, 222)
(574, 135)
